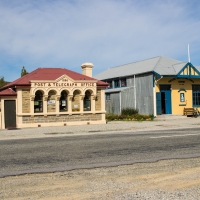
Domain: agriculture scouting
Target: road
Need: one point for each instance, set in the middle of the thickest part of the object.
(88, 151)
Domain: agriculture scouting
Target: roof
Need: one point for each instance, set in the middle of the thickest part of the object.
(161, 65)
(8, 92)
(49, 74)
(117, 89)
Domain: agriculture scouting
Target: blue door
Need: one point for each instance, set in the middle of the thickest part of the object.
(158, 103)
(166, 105)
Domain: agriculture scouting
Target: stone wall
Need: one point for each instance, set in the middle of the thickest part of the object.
(76, 101)
(98, 100)
(51, 107)
(25, 101)
(61, 118)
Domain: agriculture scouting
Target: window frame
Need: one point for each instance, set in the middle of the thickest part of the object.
(110, 84)
(87, 101)
(117, 83)
(39, 100)
(123, 79)
(108, 97)
(196, 95)
(63, 98)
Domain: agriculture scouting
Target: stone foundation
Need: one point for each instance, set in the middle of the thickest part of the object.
(60, 118)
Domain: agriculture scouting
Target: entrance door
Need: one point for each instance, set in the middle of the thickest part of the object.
(158, 103)
(166, 99)
(10, 113)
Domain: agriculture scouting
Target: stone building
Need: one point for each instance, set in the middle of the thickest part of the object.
(53, 97)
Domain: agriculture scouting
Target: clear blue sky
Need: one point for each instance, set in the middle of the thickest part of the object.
(108, 33)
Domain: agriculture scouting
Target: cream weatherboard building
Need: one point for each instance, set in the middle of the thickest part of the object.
(53, 97)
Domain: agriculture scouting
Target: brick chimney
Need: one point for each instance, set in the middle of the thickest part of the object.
(87, 69)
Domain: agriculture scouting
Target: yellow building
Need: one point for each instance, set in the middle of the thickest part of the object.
(53, 97)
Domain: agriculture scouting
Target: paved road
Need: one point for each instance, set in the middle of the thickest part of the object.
(88, 151)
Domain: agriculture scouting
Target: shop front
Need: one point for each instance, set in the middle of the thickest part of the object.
(53, 97)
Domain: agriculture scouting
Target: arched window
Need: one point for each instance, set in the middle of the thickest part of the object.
(87, 101)
(76, 101)
(63, 101)
(51, 102)
(38, 102)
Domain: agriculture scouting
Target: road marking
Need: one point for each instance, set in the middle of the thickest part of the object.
(175, 136)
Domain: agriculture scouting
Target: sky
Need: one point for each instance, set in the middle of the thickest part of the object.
(107, 33)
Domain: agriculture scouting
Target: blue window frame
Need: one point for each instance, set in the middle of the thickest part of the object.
(117, 83)
(123, 82)
(108, 96)
(196, 95)
(109, 84)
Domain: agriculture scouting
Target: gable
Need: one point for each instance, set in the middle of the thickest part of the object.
(188, 71)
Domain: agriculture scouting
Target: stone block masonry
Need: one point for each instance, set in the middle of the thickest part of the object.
(25, 101)
(60, 118)
(98, 100)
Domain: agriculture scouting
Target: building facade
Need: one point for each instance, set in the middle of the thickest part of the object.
(53, 97)
(158, 85)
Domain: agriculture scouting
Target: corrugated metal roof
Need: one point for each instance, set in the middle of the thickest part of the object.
(115, 90)
(161, 65)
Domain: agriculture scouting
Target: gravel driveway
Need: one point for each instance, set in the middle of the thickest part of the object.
(170, 179)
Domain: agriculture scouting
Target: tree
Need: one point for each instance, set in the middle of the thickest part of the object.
(3, 82)
(23, 72)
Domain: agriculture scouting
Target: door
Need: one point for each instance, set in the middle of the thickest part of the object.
(166, 99)
(10, 113)
(158, 103)
(168, 102)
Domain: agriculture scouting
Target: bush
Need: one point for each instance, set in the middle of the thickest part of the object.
(129, 111)
(134, 117)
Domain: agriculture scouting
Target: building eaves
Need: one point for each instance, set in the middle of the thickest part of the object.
(8, 92)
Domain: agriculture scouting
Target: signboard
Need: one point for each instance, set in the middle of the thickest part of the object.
(182, 97)
(51, 102)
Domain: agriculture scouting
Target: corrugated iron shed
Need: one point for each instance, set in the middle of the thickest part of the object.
(161, 65)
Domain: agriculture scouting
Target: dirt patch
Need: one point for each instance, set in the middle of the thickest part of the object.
(172, 177)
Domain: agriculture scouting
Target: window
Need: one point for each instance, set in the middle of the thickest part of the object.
(107, 97)
(38, 102)
(123, 82)
(196, 95)
(117, 83)
(109, 84)
(87, 101)
(63, 101)
(51, 101)
(165, 87)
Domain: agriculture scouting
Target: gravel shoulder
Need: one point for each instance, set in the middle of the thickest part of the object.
(168, 179)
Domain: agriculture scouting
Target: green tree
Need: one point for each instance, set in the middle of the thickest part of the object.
(3, 82)
(23, 72)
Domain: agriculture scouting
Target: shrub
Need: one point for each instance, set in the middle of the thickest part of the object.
(134, 117)
(129, 111)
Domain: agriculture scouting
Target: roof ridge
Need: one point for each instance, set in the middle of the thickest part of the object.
(135, 62)
(157, 63)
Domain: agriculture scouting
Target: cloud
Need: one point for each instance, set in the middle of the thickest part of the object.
(61, 33)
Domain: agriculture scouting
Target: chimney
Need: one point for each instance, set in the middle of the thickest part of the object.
(87, 69)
